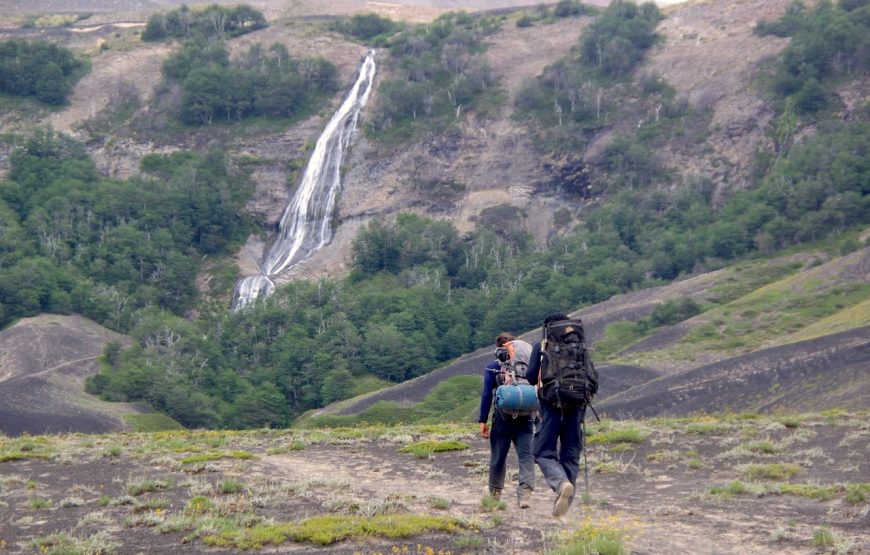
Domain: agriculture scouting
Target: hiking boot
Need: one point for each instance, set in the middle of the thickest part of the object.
(524, 500)
(495, 494)
(564, 496)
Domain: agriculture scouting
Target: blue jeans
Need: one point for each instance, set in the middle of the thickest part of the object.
(563, 426)
(506, 430)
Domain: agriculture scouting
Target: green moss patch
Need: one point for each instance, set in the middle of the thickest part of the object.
(216, 456)
(424, 449)
(329, 529)
(627, 435)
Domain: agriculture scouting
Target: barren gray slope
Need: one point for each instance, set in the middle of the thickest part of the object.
(43, 365)
(830, 371)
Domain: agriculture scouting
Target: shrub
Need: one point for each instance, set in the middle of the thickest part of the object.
(367, 26)
(38, 69)
(615, 42)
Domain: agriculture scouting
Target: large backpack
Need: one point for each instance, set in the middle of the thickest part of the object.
(567, 378)
(514, 396)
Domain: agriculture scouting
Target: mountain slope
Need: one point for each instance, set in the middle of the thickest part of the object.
(829, 371)
(43, 365)
(823, 362)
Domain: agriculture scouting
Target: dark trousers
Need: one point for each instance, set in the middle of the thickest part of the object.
(559, 426)
(506, 430)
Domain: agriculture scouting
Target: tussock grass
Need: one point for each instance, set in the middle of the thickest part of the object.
(470, 542)
(147, 505)
(490, 504)
(737, 488)
(823, 537)
(149, 485)
(695, 464)
(38, 503)
(231, 486)
(857, 493)
(67, 544)
(705, 428)
(198, 505)
(774, 471)
(604, 538)
(763, 447)
(295, 445)
(329, 529)
(438, 503)
(71, 502)
(820, 493)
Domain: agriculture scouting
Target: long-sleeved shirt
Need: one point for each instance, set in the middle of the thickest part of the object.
(489, 384)
(534, 364)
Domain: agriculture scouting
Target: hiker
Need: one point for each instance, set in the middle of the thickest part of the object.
(506, 429)
(561, 413)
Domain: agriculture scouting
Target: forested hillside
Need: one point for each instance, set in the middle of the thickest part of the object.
(132, 253)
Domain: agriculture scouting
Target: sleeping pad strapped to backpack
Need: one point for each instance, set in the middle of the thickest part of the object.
(568, 378)
(514, 395)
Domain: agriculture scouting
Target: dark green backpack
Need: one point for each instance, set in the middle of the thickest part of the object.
(568, 378)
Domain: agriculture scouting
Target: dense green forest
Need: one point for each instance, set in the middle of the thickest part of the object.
(38, 69)
(72, 241)
(212, 21)
(259, 83)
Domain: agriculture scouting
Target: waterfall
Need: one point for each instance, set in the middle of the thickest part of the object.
(305, 225)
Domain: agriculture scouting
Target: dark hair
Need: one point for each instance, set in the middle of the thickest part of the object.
(503, 338)
(555, 317)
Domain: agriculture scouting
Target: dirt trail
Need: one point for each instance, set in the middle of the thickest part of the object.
(649, 491)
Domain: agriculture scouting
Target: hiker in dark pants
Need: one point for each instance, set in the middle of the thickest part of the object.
(559, 464)
(506, 430)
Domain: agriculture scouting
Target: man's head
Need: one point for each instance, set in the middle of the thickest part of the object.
(555, 317)
(503, 338)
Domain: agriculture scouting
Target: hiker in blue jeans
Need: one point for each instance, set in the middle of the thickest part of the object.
(506, 430)
(558, 439)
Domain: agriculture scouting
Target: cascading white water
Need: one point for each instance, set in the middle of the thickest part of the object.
(305, 225)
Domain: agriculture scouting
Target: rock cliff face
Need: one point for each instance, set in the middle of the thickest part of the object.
(707, 53)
